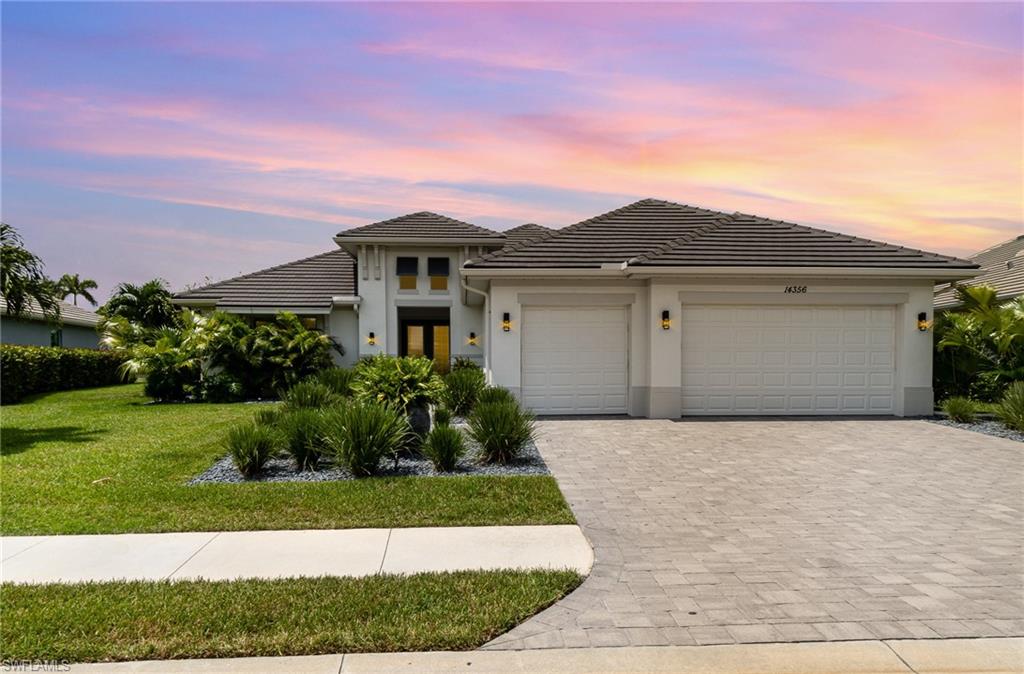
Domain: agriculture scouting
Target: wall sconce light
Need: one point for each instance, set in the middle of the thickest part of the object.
(506, 322)
(371, 339)
(922, 322)
(666, 323)
(473, 341)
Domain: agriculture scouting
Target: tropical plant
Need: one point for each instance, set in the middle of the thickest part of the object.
(442, 416)
(444, 446)
(980, 349)
(501, 429)
(71, 284)
(147, 305)
(269, 415)
(309, 394)
(959, 409)
(461, 389)
(402, 382)
(463, 363)
(251, 446)
(360, 434)
(495, 394)
(23, 284)
(221, 387)
(338, 379)
(302, 435)
(1011, 408)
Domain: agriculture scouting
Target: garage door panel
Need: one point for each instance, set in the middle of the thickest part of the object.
(575, 360)
(788, 360)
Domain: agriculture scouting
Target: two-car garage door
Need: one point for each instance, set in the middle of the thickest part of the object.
(788, 360)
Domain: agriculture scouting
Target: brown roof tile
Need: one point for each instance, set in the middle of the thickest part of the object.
(423, 225)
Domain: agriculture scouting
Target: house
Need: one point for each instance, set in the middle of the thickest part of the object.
(76, 328)
(1001, 266)
(655, 309)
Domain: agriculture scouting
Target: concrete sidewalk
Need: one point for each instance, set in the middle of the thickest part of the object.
(949, 656)
(278, 554)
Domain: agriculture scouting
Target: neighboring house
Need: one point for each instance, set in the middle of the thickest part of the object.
(1002, 267)
(76, 328)
(655, 309)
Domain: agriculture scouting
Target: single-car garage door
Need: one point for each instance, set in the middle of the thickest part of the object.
(575, 360)
(788, 360)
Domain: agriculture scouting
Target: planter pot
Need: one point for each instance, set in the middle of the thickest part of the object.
(419, 418)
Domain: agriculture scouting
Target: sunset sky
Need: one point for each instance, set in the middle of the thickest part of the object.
(192, 140)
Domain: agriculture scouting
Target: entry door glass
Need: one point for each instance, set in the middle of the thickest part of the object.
(414, 340)
(441, 352)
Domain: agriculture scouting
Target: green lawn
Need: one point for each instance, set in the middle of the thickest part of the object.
(103, 461)
(202, 619)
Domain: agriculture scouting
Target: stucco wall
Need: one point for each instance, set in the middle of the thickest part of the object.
(343, 326)
(37, 333)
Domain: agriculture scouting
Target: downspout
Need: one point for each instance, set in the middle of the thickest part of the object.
(487, 325)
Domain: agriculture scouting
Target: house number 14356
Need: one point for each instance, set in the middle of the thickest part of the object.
(796, 289)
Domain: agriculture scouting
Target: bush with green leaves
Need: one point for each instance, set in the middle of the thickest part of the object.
(1011, 408)
(268, 415)
(220, 388)
(400, 381)
(360, 434)
(959, 409)
(444, 446)
(302, 435)
(251, 445)
(501, 429)
(27, 370)
(495, 394)
(338, 379)
(463, 363)
(462, 387)
(309, 394)
(442, 416)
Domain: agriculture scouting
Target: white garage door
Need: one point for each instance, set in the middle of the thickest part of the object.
(788, 360)
(575, 360)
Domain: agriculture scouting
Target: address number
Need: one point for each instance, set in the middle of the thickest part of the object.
(796, 289)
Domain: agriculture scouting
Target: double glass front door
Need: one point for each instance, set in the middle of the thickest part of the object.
(427, 338)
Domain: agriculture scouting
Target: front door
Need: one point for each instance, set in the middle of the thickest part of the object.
(426, 338)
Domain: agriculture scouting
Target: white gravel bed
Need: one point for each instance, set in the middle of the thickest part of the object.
(993, 428)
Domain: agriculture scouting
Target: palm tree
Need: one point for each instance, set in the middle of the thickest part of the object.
(147, 305)
(22, 281)
(71, 284)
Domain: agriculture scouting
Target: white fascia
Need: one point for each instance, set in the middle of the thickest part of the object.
(834, 272)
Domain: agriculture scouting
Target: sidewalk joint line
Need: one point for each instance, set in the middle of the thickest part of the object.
(341, 665)
(34, 545)
(190, 557)
(383, 557)
(905, 663)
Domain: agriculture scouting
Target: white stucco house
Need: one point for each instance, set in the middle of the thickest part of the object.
(655, 309)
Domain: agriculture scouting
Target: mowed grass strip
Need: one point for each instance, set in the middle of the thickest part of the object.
(103, 461)
(95, 622)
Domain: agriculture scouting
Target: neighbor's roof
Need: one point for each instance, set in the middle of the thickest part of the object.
(422, 225)
(69, 313)
(310, 282)
(1002, 267)
(653, 233)
(528, 232)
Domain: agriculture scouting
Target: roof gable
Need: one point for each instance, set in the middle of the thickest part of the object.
(422, 225)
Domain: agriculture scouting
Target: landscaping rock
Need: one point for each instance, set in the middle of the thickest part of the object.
(993, 428)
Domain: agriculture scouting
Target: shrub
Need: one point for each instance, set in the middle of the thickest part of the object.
(309, 394)
(27, 370)
(302, 436)
(220, 388)
(959, 409)
(444, 446)
(442, 416)
(501, 429)
(463, 363)
(268, 416)
(1011, 408)
(461, 389)
(251, 446)
(338, 379)
(495, 394)
(402, 382)
(359, 434)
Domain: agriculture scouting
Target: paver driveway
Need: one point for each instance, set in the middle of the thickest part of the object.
(789, 530)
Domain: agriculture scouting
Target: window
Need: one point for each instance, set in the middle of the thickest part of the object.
(312, 322)
(57, 337)
(407, 283)
(437, 270)
(407, 269)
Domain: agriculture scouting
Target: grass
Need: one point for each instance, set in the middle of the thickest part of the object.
(91, 622)
(102, 461)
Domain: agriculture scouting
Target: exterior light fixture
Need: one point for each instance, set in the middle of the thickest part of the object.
(473, 341)
(506, 322)
(666, 322)
(922, 322)
(371, 339)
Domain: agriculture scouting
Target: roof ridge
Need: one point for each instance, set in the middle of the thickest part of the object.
(998, 245)
(544, 236)
(208, 286)
(679, 240)
(440, 216)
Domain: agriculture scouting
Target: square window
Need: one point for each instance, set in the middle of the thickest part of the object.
(437, 266)
(407, 266)
(439, 283)
(407, 283)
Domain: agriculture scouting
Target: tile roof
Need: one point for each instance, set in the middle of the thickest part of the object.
(310, 282)
(69, 313)
(528, 232)
(665, 234)
(423, 225)
(1002, 267)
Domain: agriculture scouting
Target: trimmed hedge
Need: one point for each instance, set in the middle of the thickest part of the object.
(25, 370)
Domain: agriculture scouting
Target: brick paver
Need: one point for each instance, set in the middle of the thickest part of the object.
(711, 532)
